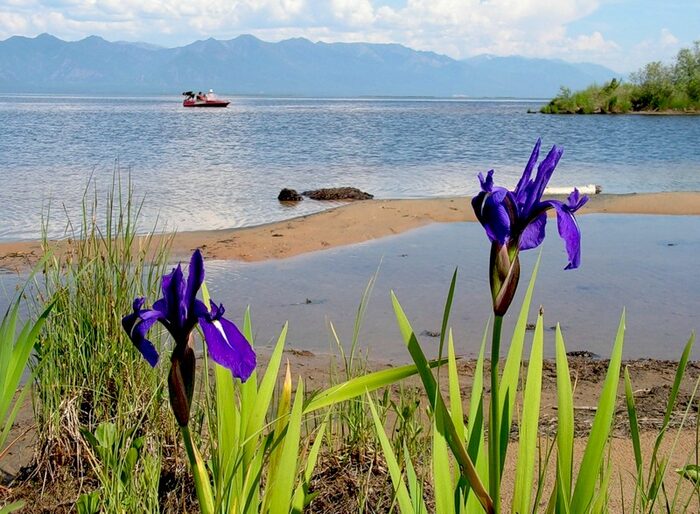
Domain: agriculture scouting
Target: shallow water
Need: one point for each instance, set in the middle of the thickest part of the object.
(641, 263)
(220, 168)
(646, 264)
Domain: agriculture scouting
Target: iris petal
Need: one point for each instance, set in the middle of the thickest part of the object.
(174, 297)
(493, 210)
(228, 347)
(137, 326)
(527, 172)
(533, 235)
(534, 189)
(568, 231)
(195, 278)
(486, 183)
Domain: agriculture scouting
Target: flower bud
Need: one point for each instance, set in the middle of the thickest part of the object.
(504, 276)
(181, 380)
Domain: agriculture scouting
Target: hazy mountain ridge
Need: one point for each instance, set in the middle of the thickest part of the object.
(247, 65)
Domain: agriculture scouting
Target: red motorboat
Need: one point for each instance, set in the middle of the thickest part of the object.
(200, 99)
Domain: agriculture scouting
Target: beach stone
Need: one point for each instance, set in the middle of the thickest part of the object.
(338, 193)
(583, 354)
(289, 195)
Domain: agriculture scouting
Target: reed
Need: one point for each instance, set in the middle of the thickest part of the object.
(86, 372)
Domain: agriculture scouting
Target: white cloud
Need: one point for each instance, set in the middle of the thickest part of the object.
(667, 39)
(459, 28)
(662, 47)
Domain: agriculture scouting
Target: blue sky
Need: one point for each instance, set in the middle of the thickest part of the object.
(621, 34)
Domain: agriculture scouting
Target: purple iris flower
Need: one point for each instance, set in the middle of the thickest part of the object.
(515, 220)
(180, 311)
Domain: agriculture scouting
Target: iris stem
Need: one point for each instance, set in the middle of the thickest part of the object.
(199, 470)
(495, 418)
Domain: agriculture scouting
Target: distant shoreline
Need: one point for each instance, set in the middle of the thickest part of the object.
(667, 112)
(174, 94)
(349, 224)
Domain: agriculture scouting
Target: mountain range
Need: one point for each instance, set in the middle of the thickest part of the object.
(247, 65)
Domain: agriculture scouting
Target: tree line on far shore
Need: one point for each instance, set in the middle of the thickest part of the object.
(656, 87)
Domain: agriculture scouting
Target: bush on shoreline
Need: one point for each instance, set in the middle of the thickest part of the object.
(654, 88)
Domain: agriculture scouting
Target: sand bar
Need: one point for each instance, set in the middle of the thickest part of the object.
(353, 223)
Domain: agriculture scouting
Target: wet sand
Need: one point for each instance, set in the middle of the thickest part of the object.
(351, 223)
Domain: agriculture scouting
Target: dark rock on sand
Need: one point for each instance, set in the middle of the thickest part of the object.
(289, 195)
(583, 354)
(338, 193)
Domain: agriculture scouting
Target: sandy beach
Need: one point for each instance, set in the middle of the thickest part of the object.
(350, 223)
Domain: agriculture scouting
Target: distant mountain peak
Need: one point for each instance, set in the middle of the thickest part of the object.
(295, 66)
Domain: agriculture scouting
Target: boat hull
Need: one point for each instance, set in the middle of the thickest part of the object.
(208, 103)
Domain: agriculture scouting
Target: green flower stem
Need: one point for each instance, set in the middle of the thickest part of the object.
(199, 470)
(495, 418)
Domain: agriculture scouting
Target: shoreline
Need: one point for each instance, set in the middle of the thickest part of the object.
(347, 224)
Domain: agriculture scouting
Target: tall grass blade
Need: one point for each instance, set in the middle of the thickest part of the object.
(657, 467)
(361, 309)
(402, 496)
(475, 425)
(14, 355)
(442, 479)
(634, 427)
(508, 387)
(301, 494)
(446, 315)
(565, 424)
(453, 439)
(527, 443)
(415, 487)
(455, 396)
(584, 491)
(265, 392)
(357, 386)
(283, 476)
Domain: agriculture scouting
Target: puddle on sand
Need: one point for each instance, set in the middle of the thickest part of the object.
(641, 263)
(647, 264)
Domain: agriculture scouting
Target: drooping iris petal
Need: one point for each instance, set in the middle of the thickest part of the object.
(137, 325)
(533, 235)
(568, 231)
(494, 211)
(228, 347)
(195, 278)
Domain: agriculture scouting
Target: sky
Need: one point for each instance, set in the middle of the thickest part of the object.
(620, 34)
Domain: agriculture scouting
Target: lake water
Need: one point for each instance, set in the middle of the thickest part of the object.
(219, 168)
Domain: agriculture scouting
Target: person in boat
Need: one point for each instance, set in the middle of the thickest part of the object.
(201, 97)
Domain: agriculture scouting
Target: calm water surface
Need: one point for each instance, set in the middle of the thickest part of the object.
(206, 169)
(646, 264)
(641, 263)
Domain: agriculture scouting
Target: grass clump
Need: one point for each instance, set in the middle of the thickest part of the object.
(86, 370)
